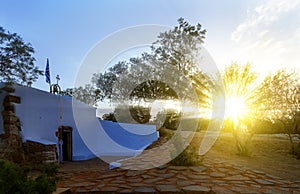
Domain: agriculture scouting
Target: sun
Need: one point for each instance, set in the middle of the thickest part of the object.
(235, 107)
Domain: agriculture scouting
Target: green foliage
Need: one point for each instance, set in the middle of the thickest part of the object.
(189, 156)
(279, 100)
(297, 151)
(86, 94)
(104, 82)
(165, 133)
(16, 59)
(177, 48)
(169, 119)
(15, 179)
(109, 117)
(140, 114)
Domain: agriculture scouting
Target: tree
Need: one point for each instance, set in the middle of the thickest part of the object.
(179, 48)
(173, 58)
(240, 82)
(86, 94)
(247, 101)
(279, 100)
(104, 82)
(16, 59)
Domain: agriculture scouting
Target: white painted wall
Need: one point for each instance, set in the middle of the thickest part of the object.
(41, 113)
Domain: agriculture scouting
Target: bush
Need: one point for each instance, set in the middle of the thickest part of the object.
(15, 179)
(189, 156)
(166, 133)
(109, 117)
(169, 119)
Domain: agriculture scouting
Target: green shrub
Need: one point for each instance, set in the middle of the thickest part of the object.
(189, 156)
(166, 133)
(169, 119)
(15, 179)
(109, 117)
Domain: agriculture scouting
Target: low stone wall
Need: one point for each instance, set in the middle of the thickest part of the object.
(37, 153)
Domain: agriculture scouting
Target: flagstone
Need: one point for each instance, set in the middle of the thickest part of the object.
(126, 191)
(222, 190)
(237, 178)
(217, 175)
(181, 177)
(198, 168)
(144, 190)
(165, 176)
(263, 182)
(218, 178)
(198, 177)
(167, 188)
(154, 180)
(134, 180)
(193, 189)
(109, 189)
(184, 183)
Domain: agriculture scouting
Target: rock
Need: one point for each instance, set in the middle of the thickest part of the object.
(167, 189)
(217, 175)
(237, 178)
(181, 177)
(263, 182)
(223, 169)
(184, 183)
(165, 176)
(180, 168)
(198, 168)
(109, 189)
(8, 89)
(222, 190)
(195, 189)
(134, 173)
(258, 172)
(198, 177)
(125, 191)
(144, 190)
(274, 190)
(153, 180)
(106, 176)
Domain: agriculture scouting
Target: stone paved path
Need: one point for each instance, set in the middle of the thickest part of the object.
(214, 176)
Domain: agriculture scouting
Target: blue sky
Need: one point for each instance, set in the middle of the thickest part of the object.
(264, 33)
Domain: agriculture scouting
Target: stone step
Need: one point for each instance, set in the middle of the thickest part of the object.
(62, 191)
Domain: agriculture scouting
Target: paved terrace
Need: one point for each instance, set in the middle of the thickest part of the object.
(212, 176)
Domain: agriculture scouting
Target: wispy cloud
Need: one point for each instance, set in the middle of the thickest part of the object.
(270, 33)
(263, 18)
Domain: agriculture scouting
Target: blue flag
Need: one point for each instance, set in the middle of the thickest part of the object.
(47, 73)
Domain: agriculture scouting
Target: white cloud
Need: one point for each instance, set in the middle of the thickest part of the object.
(269, 36)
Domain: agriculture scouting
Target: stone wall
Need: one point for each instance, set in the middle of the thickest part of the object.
(11, 142)
(11, 146)
(37, 153)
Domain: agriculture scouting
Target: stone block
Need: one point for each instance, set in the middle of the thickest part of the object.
(7, 113)
(12, 119)
(9, 107)
(8, 89)
(12, 99)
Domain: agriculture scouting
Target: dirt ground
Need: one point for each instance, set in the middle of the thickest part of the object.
(270, 153)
